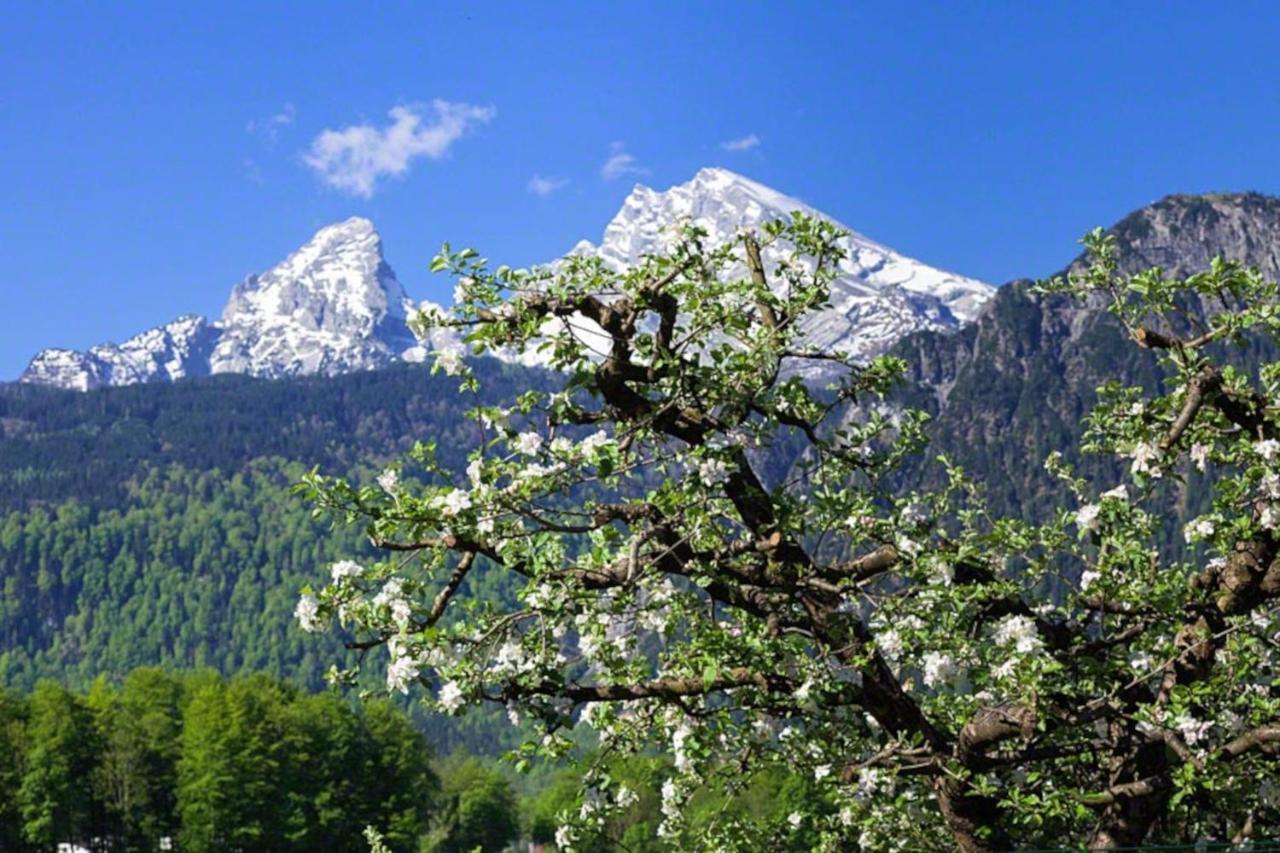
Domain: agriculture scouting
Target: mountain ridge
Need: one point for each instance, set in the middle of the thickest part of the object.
(335, 305)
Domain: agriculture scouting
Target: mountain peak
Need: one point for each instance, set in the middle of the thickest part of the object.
(879, 296)
(1182, 233)
(332, 306)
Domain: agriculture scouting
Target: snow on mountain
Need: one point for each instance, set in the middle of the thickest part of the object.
(335, 305)
(878, 297)
(331, 307)
(163, 354)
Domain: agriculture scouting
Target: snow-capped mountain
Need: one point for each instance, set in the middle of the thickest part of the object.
(335, 305)
(879, 296)
(172, 351)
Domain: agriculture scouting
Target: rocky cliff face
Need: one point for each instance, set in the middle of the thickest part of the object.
(1014, 385)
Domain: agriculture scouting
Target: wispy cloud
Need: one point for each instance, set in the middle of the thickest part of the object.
(746, 143)
(620, 163)
(354, 158)
(269, 128)
(544, 187)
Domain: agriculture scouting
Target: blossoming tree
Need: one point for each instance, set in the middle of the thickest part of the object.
(946, 678)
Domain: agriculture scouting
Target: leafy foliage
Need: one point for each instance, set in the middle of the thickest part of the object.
(922, 671)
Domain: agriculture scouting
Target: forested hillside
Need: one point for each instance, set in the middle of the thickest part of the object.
(156, 525)
(56, 445)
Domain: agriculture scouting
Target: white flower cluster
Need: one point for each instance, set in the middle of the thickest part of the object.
(1146, 458)
(1019, 632)
(712, 472)
(450, 361)
(403, 668)
(529, 443)
(345, 569)
(392, 596)
(940, 670)
(389, 480)
(307, 612)
(1200, 455)
(450, 698)
(451, 503)
(1200, 528)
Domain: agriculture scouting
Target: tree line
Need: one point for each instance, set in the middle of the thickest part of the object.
(196, 762)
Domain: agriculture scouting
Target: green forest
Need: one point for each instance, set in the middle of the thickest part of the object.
(209, 764)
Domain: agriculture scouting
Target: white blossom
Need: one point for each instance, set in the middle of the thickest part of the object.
(821, 772)
(679, 739)
(1005, 669)
(564, 837)
(450, 697)
(345, 569)
(890, 644)
(392, 596)
(594, 442)
(939, 669)
(529, 443)
(1270, 486)
(1268, 449)
(906, 545)
(1270, 517)
(462, 289)
(389, 480)
(1088, 577)
(1200, 455)
(1087, 517)
(795, 819)
(1120, 492)
(307, 612)
(453, 503)
(400, 672)
(450, 360)
(1191, 729)
(670, 799)
(1144, 454)
(1200, 528)
(941, 571)
(474, 469)
(1019, 632)
(625, 798)
(915, 514)
(713, 472)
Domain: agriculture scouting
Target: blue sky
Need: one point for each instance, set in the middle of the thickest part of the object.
(151, 155)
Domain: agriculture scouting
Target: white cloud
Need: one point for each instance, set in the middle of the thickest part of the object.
(539, 185)
(620, 163)
(746, 143)
(354, 158)
(269, 129)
